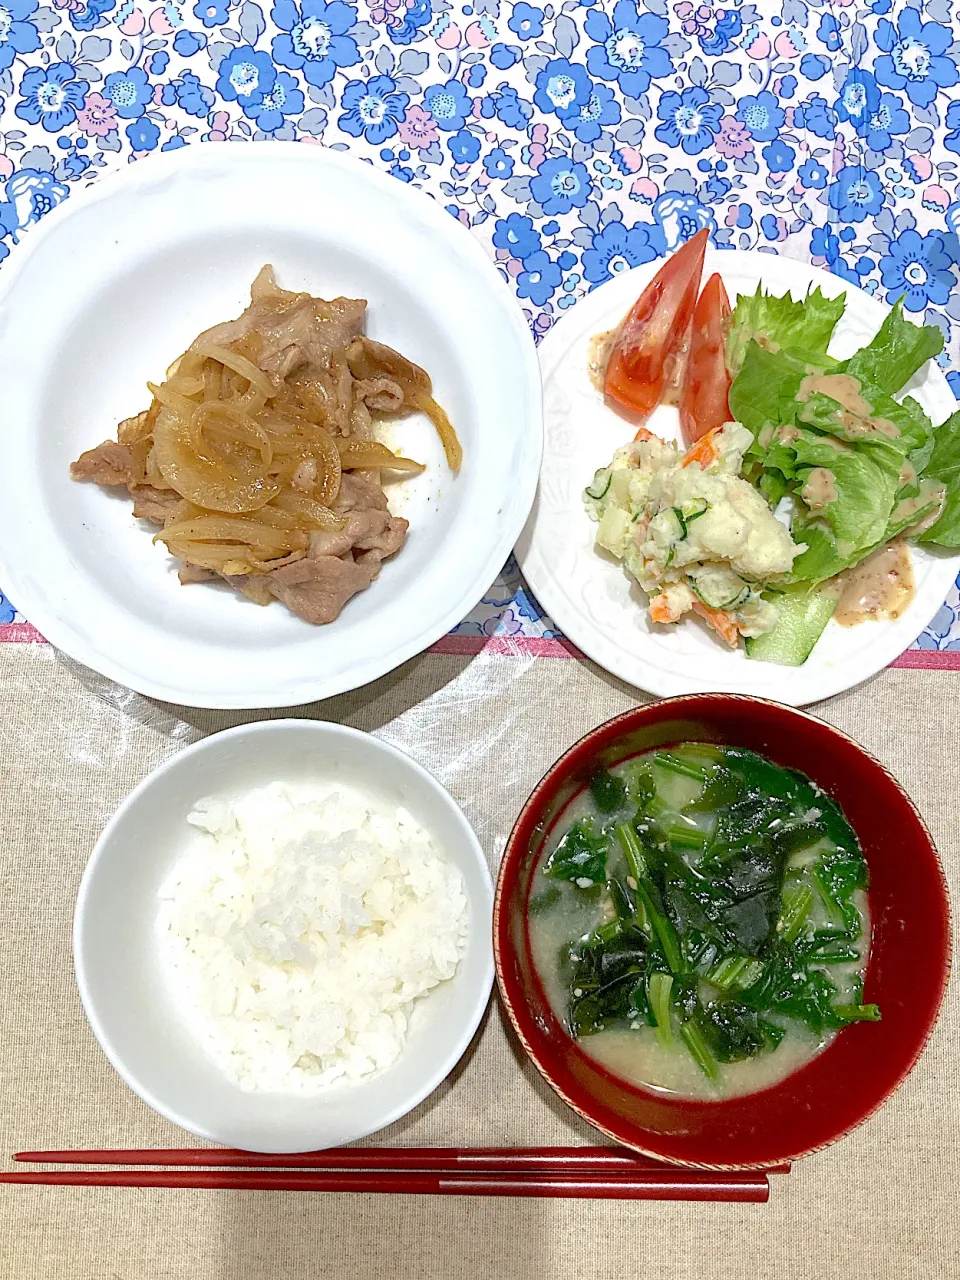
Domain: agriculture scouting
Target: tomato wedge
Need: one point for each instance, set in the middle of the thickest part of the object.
(704, 402)
(647, 344)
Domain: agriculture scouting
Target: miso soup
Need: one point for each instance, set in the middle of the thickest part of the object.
(699, 921)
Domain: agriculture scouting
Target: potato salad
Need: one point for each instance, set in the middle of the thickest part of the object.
(694, 535)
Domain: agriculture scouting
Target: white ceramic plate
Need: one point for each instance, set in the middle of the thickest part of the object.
(118, 281)
(590, 598)
(136, 1010)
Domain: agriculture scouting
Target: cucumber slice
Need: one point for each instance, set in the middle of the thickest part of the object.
(719, 587)
(800, 623)
(693, 510)
(601, 484)
(672, 525)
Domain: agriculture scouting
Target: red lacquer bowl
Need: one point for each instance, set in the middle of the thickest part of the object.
(906, 975)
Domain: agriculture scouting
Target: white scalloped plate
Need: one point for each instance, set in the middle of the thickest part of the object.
(590, 598)
(118, 280)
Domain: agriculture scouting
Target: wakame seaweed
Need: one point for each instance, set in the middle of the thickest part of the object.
(724, 915)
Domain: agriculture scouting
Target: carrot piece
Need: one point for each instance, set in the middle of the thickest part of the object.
(660, 609)
(643, 434)
(720, 620)
(705, 450)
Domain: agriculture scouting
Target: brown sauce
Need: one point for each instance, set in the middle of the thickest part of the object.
(857, 417)
(838, 386)
(930, 499)
(879, 587)
(819, 488)
(598, 353)
(674, 368)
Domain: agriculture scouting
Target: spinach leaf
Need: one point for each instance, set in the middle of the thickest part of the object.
(608, 792)
(581, 856)
(734, 1031)
(608, 980)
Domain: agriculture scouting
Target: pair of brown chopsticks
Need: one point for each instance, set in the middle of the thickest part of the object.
(594, 1173)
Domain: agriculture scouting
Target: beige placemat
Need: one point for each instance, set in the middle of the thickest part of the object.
(883, 1203)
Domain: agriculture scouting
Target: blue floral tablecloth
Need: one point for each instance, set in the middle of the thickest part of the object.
(576, 140)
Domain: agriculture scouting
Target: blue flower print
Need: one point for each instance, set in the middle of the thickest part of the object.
(828, 32)
(913, 57)
(449, 105)
(418, 14)
(526, 21)
(498, 164)
(825, 244)
(464, 146)
(816, 115)
(680, 216)
(517, 234)
(617, 248)
(856, 194)
(91, 15)
(779, 156)
(874, 115)
(889, 118)
(952, 140)
(372, 108)
(51, 96)
(729, 26)
(315, 39)
(195, 98)
(8, 225)
(511, 109)
(16, 34)
(690, 120)
(762, 116)
(73, 166)
(859, 98)
(587, 121)
(129, 91)
(158, 63)
(284, 99)
(813, 66)
(143, 134)
(812, 175)
(920, 269)
(31, 193)
(940, 626)
(716, 187)
(245, 76)
(7, 611)
(562, 86)
(561, 185)
(629, 49)
(212, 13)
(503, 56)
(539, 278)
(187, 43)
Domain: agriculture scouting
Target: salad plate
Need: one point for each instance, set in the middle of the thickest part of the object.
(587, 593)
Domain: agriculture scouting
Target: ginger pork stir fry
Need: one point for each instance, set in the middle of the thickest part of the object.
(258, 456)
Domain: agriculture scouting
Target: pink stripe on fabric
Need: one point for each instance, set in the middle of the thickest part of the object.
(20, 633)
(535, 647)
(508, 646)
(928, 660)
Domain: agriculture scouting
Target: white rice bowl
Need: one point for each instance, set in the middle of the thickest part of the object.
(301, 926)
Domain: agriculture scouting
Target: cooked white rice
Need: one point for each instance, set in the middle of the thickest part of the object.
(300, 928)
